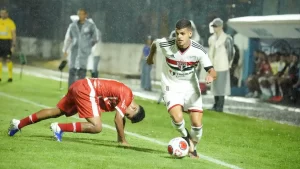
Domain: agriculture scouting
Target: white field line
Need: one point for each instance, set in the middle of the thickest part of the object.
(204, 157)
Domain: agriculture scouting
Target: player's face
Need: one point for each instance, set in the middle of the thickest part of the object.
(131, 110)
(3, 14)
(183, 37)
(82, 15)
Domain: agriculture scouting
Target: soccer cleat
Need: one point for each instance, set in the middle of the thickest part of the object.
(10, 80)
(13, 128)
(194, 154)
(189, 141)
(57, 133)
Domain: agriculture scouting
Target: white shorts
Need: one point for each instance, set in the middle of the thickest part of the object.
(190, 101)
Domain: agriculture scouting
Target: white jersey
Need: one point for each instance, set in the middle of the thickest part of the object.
(178, 70)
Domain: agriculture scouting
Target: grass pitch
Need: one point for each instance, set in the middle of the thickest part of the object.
(235, 140)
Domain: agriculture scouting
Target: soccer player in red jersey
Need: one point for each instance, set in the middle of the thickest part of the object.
(89, 97)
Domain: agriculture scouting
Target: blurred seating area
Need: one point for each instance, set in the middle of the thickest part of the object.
(276, 77)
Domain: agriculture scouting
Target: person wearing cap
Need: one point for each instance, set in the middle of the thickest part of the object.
(146, 68)
(89, 98)
(221, 54)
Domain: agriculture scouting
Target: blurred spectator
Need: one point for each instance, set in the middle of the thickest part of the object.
(94, 58)
(7, 42)
(252, 81)
(80, 37)
(290, 77)
(265, 77)
(233, 79)
(221, 53)
(146, 68)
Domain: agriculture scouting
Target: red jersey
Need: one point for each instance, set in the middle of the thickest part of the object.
(112, 94)
(90, 97)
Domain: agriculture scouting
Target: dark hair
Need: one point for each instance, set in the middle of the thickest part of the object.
(183, 23)
(139, 116)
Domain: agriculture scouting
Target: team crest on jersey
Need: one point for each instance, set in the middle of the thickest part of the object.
(181, 65)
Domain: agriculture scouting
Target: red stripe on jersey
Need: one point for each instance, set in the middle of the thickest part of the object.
(174, 62)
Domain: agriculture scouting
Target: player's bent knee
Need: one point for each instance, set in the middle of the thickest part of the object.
(177, 118)
(97, 128)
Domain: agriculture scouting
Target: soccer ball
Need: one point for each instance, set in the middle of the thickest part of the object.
(178, 147)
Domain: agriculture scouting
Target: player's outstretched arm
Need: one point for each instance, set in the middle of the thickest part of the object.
(120, 127)
(150, 58)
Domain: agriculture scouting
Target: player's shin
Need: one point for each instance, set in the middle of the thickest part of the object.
(196, 134)
(70, 127)
(180, 127)
(28, 120)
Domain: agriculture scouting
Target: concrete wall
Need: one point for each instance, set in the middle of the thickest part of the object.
(116, 58)
(39, 48)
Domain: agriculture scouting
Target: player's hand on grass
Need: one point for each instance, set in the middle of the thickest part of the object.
(124, 143)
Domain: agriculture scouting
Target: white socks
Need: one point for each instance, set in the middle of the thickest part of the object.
(196, 134)
(180, 127)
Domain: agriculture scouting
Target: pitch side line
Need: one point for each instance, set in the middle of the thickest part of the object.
(204, 157)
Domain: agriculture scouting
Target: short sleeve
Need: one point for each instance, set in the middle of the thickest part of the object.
(204, 60)
(12, 25)
(125, 100)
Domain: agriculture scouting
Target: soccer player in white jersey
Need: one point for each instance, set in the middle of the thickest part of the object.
(180, 84)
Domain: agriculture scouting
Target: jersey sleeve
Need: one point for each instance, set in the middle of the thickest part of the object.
(164, 42)
(125, 100)
(12, 25)
(204, 60)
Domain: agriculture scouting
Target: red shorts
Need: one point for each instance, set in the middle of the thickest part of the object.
(81, 98)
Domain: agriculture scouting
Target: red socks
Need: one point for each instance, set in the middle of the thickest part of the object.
(28, 120)
(70, 127)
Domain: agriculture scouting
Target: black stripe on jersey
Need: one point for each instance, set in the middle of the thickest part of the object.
(198, 46)
(166, 44)
(170, 41)
(177, 69)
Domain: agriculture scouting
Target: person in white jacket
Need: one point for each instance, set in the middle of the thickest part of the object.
(94, 58)
(221, 54)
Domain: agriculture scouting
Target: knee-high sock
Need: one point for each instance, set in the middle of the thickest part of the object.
(180, 127)
(70, 127)
(196, 134)
(28, 120)
(10, 69)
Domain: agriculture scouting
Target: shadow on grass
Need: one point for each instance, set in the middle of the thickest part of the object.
(99, 142)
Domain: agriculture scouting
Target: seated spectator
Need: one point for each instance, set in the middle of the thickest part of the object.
(252, 81)
(265, 78)
(289, 76)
